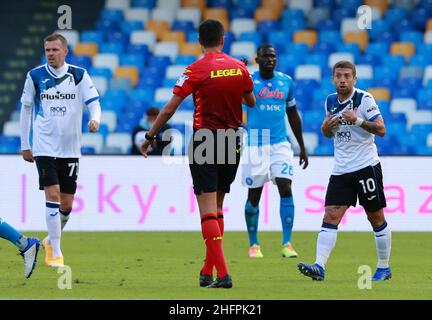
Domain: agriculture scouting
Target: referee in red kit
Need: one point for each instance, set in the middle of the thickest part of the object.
(219, 84)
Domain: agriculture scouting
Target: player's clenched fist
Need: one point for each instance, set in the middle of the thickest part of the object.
(93, 126)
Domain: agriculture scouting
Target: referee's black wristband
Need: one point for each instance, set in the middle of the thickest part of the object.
(149, 137)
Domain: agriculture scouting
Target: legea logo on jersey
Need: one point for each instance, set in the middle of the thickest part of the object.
(225, 73)
(58, 111)
(267, 93)
(58, 96)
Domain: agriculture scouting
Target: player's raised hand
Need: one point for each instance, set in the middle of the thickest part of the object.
(27, 155)
(93, 126)
(145, 148)
(331, 122)
(349, 115)
(304, 159)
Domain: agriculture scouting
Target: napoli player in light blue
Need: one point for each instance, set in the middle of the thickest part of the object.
(28, 247)
(268, 154)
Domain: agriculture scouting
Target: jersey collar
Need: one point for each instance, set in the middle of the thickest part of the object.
(59, 72)
(349, 98)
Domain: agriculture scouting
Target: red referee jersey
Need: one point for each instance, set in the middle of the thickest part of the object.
(218, 83)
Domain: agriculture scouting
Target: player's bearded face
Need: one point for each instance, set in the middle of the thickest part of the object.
(344, 80)
(267, 59)
(55, 53)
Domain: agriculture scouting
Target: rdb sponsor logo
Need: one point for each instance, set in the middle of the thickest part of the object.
(58, 111)
(344, 136)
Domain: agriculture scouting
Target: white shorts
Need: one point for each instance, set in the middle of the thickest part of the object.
(264, 163)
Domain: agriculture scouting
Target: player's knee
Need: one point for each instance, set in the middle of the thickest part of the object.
(376, 219)
(332, 215)
(53, 195)
(66, 208)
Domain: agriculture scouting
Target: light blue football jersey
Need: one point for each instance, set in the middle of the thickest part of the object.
(266, 121)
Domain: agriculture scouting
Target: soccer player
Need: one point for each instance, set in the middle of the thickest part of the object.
(28, 247)
(352, 120)
(269, 154)
(219, 83)
(53, 98)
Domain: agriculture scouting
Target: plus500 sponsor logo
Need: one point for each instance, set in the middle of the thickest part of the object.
(57, 96)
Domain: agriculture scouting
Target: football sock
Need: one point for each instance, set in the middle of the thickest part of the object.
(220, 219)
(287, 218)
(251, 216)
(11, 234)
(214, 252)
(383, 245)
(54, 226)
(64, 217)
(325, 243)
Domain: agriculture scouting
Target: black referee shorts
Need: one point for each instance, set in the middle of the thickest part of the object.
(61, 171)
(366, 184)
(214, 157)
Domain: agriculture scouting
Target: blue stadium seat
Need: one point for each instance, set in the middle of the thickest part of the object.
(141, 95)
(386, 36)
(133, 59)
(404, 24)
(250, 4)
(92, 36)
(239, 13)
(159, 62)
(293, 14)
(292, 25)
(419, 17)
(185, 59)
(183, 25)
(81, 61)
(378, 48)
(353, 48)
(111, 15)
(367, 58)
(192, 36)
(103, 130)
(423, 95)
(415, 37)
(330, 36)
(255, 37)
(139, 107)
(328, 24)
(341, 13)
(386, 72)
(150, 4)
(318, 59)
(128, 26)
(265, 25)
(228, 4)
(112, 47)
(364, 84)
(100, 72)
(118, 37)
(394, 61)
(325, 3)
(107, 26)
(323, 48)
(139, 48)
(420, 60)
(351, 4)
(394, 15)
(279, 38)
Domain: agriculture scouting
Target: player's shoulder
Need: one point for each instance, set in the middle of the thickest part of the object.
(283, 76)
(37, 71)
(361, 97)
(331, 98)
(77, 72)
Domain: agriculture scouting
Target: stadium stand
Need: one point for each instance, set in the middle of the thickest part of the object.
(135, 50)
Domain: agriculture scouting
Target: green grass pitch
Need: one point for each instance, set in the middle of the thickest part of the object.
(165, 265)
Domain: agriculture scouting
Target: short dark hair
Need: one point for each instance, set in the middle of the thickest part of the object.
(344, 64)
(262, 47)
(210, 33)
(56, 36)
(152, 112)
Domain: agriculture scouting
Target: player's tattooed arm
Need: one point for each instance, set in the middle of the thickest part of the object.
(375, 127)
(329, 124)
